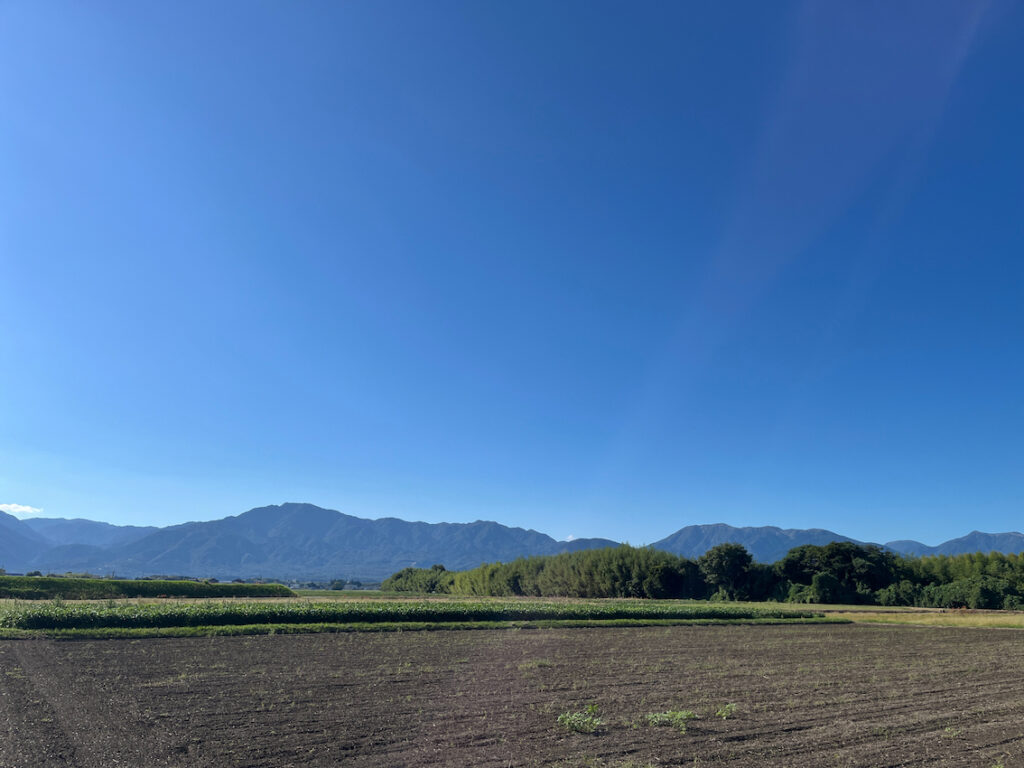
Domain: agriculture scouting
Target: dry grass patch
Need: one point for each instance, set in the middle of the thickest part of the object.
(965, 618)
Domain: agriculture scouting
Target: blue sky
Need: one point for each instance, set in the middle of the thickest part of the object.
(598, 269)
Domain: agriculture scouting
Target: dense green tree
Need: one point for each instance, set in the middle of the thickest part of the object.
(826, 588)
(763, 583)
(664, 581)
(859, 571)
(725, 568)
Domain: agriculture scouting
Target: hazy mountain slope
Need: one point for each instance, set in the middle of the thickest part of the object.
(910, 547)
(19, 544)
(306, 541)
(766, 543)
(976, 541)
(59, 531)
(74, 558)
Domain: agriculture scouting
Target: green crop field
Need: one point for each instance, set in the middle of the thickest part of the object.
(73, 588)
(61, 616)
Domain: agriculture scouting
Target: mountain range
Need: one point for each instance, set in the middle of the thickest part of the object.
(303, 541)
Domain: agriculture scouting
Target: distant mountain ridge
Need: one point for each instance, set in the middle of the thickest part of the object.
(766, 543)
(288, 541)
(303, 541)
(975, 541)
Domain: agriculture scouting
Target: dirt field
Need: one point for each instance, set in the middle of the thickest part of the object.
(805, 696)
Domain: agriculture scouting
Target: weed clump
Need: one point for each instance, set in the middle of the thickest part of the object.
(587, 721)
(726, 711)
(674, 718)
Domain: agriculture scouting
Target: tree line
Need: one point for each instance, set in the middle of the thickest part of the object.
(840, 572)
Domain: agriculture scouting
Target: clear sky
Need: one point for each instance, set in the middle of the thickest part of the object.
(597, 269)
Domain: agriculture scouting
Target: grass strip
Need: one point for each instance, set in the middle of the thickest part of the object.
(108, 633)
(1001, 620)
(60, 615)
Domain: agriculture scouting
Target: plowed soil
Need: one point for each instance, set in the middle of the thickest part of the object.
(804, 695)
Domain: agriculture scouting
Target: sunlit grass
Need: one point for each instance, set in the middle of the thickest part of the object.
(991, 619)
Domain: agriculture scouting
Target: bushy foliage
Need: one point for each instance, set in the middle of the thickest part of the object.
(425, 581)
(904, 592)
(943, 569)
(622, 571)
(840, 572)
(975, 592)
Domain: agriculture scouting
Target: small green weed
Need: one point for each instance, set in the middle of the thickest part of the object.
(674, 718)
(726, 711)
(587, 721)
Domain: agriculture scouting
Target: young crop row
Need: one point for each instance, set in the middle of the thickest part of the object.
(82, 616)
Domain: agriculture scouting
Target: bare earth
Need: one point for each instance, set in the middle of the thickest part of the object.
(804, 695)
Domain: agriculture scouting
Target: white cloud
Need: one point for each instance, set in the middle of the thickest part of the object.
(20, 510)
(570, 537)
